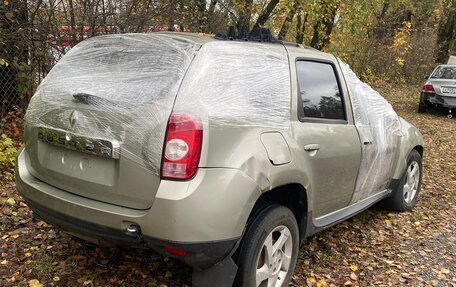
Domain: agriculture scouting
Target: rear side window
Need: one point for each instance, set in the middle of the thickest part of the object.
(319, 91)
(238, 84)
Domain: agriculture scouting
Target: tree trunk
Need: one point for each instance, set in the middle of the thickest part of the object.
(212, 7)
(72, 30)
(202, 20)
(315, 42)
(266, 13)
(244, 15)
(327, 23)
(301, 27)
(171, 10)
(288, 20)
(210, 16)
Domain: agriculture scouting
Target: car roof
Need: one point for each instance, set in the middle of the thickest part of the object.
(308, 52)
(293, 49)
(197, 38)
(446, 65)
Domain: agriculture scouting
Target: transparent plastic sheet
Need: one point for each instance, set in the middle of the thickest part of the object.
(379, 127)
(238, 84)
(116, 88)
(120, 89)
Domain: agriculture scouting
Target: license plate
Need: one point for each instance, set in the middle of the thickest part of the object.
(448, 90)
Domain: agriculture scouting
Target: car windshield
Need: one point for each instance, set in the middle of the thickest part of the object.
(445, 72)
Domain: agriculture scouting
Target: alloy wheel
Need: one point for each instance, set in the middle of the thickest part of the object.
(274, 260)
(412, 180)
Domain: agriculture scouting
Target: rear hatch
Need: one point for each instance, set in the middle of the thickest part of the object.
(97, 123)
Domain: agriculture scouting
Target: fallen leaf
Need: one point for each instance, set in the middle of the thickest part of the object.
(9, 15)
(11, 201)
(311, 281)
(390, 262)
(444, 271)
(406, 275)
(12, 279)
(34, 283)
(388, 223)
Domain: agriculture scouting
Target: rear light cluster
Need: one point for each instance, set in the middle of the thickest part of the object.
(428, 89)
(182, 150)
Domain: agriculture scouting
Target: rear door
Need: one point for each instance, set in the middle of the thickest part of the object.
(326, 134)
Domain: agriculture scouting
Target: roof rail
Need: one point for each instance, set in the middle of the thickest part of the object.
(257, 34)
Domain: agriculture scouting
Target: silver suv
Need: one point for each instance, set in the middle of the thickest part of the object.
(224, 154)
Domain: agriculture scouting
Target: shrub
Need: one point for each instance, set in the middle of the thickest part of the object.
(7, 157)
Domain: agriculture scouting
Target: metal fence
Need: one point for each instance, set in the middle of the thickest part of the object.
(15, 78)
(12, 93)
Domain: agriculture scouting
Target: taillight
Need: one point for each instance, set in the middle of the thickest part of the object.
(182, 150)
(428, 89)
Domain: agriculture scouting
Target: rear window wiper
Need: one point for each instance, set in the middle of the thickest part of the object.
(90, 99)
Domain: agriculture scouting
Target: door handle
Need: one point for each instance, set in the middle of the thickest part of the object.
(311, 147)
(367, 142)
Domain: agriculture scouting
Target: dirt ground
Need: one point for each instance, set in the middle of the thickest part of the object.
(375, 248)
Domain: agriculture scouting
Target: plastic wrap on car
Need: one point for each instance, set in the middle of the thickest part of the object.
(238, 84)
(122, 89)
(119, 88)
(379, 127)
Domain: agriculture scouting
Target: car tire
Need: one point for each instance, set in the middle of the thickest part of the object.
(422, 108)
(406, 194)
(269, 249)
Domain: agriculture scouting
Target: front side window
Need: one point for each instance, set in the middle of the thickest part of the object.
(319, 91)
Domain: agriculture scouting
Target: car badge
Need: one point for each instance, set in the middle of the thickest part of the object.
(73, 118)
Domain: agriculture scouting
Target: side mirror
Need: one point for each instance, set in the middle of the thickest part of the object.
(426, 77)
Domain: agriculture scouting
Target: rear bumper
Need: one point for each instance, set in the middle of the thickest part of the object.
(204, 218)
(199, 255)
(433, 99)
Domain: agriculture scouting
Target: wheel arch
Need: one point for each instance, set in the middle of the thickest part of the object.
(411, 139)
(292, 196)
(419, 149)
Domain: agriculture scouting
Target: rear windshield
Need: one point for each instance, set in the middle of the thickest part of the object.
(445, 72)
(130, 69)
